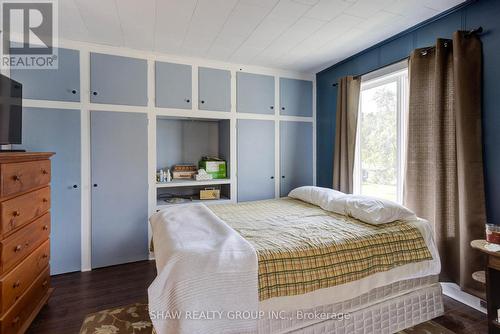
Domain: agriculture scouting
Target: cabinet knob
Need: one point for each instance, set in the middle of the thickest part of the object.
(188, 100)
(94, 93)
(282, 176)
(15, 320)
(16, 284)
(95, 185)
(45, 172)
(44, 200)
(16, 213)
(271, 107)
(202, 101)
(44, 256)
(75, 186)
(272, 177)
(45, 227)
(17, 177)
(18, 248)
(74, 91)
(282, 108)
(44, 284)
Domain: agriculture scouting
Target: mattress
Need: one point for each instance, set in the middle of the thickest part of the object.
(303, 249)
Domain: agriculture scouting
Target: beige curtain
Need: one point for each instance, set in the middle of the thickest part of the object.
(345, 133)
(444, 166)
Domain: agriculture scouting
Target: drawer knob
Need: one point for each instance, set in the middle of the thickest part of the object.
(44, 200)
(188, 100)
(18, 248)
(15, 320)
(45, 227)
(16, 284)
(74, 91)
(271, 107)
(17, 177)
(16, 213)
(44, 256)
(44, 284)
(44, 171)
(94, 93)
(202, 101)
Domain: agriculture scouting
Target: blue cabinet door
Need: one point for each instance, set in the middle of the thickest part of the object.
(214, 89)
(58, 130)
(254, 93)
(296, 97)
(255, 160)
(173, 85)
(61, 84)
(118, 80)
(119, 187)
(296, 155)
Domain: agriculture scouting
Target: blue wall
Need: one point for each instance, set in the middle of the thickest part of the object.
(485, 13)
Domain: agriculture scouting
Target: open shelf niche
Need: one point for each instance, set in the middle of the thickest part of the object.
(186, 141)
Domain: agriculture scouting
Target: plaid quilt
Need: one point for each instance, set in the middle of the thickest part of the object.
(302, 248)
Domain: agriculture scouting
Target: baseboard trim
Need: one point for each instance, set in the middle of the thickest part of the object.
(452, 290)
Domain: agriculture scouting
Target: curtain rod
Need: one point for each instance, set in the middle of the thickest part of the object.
(360, 75)
(477, 31)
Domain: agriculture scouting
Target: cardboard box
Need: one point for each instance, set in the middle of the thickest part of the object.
(215, 168)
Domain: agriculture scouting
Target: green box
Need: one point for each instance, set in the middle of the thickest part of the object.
(216, 168)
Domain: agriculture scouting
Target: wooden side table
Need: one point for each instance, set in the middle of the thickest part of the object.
(492, 285)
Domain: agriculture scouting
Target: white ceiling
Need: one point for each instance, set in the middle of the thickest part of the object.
(300, 35)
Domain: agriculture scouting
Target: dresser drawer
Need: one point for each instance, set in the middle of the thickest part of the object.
(19, 245)
(22, 176)
(20, 210)
(13, 285)
(12, 321)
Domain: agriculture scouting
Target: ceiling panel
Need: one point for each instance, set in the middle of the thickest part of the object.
(70, 19)
(327, 9)
(290, 34)
(367, 8)
(137, 25)
(102, 21)
(171, 23)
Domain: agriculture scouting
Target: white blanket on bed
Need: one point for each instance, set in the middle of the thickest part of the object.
(207, 273)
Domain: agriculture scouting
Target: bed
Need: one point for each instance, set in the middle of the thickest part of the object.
(290, 266)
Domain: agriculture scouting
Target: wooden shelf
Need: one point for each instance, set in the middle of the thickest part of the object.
(192, 183)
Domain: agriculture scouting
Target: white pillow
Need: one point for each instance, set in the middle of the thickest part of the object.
(326, 198)
(376, 211)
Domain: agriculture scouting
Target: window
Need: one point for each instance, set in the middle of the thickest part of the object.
(380, 142)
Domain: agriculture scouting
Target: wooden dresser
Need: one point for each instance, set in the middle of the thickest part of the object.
(24, 238)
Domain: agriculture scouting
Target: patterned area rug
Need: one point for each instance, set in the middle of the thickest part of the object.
(134, 319)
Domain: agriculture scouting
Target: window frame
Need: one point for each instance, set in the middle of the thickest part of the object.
(397, 73)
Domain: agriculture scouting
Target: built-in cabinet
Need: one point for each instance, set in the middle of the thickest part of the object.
(296, 97)
(61, 84)
(256, 160)
(214, 89)
(58, 130)
(113, 149)
(118, 80)
(119, 179)
(296, 155)
(173, 85)
(254, 93)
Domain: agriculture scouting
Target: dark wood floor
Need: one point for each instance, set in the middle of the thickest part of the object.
(79, 294)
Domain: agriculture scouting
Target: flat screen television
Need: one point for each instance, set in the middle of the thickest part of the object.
(11, 111)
